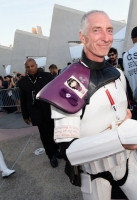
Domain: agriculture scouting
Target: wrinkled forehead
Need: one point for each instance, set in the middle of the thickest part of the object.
(99, 19)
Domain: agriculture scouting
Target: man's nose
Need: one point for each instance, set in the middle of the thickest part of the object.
(105, 36)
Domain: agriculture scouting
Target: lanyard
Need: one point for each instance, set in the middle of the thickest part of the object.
(113, 105)
(31, 79)
(33, 91)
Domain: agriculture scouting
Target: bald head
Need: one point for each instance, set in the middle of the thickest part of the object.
(30, 59)
(84, 21)
(31, 66)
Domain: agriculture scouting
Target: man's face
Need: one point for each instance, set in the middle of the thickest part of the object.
(31, 67)
(98, 38)
(53, 70)
(112, 56)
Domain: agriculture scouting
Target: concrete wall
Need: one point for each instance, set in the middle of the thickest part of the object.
(5, 58)
(65, 28)
(27, 44)
(131, 23)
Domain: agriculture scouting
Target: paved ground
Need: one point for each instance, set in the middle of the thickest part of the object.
(34, 179)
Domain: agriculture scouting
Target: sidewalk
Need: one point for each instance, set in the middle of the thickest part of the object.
(34, 179)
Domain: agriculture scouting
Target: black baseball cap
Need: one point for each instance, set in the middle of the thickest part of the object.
(134, 32)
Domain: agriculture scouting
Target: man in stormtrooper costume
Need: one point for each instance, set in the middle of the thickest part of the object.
(3, 167)
(100, 137)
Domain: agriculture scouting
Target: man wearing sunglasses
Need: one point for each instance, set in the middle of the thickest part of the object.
(114, 60)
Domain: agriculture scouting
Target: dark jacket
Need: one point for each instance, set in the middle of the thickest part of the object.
(5, 84)
(39, 109)
(120, 63)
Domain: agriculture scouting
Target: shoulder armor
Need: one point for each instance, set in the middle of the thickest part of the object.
(72, 89)
(68, 90)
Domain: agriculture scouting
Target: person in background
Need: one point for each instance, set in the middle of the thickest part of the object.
(1, 82)
(118, 63)
(5, 82)
(130, 70)
(123, 54)
(130, 62)
(40, 69)
(6, 95)
(113, 58)
(8, 79)
(21, 74)
(15, 92)
(36, 112)
(53, 70)
(69, 63)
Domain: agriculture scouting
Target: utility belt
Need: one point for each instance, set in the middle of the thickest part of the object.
(97, 169)
(108, 176)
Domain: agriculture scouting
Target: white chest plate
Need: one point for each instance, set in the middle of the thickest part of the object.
(99, 114)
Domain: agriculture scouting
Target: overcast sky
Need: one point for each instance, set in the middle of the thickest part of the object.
(25, 14)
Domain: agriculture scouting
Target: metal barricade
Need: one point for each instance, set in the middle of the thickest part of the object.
(9, 97)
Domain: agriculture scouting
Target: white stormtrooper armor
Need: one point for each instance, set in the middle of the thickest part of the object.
(3, 167)
(99, 147)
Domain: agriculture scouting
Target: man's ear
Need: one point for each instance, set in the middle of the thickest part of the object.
(82, 37)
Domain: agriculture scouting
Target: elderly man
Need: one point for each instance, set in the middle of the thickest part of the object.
(92, 124)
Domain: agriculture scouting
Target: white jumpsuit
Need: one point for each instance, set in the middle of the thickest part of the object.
(99, 148)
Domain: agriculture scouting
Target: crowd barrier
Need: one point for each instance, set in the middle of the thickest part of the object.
(9, 97)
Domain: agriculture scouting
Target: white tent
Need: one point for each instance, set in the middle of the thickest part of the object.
(7, 69)
(41, 61)
(75, 51)
(118, 42)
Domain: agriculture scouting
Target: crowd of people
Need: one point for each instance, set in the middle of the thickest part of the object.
(9, 93)
(86, 120)
(9, 90)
